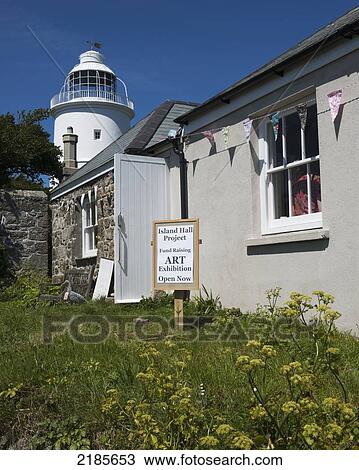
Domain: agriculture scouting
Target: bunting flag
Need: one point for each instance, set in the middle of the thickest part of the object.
(210, 136)
(275, 124)
(186, 142)
(225, 132)
(194, 164)
(302, 113)
(247, 124)
(335, 98)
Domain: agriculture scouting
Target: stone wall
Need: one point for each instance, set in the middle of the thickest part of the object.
(24, 228)
(67, 224)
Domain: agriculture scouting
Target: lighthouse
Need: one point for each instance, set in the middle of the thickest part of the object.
(92, 106)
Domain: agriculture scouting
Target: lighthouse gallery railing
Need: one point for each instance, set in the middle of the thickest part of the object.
(79, 94)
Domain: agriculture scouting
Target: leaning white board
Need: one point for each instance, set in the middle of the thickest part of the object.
(103, 279)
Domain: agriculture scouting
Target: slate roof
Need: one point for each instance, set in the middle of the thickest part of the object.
(147, 132)
(345, 26)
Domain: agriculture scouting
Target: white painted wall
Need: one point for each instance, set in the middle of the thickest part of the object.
(224, 195)
(113, 119)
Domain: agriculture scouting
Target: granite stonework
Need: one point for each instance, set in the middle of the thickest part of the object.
(24, 228)
(67, 224)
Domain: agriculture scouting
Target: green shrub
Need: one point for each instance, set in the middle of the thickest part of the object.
(61, 434)
(228, 317)
(162, 299)
(207, 304)
(26, 288)
(6, 273)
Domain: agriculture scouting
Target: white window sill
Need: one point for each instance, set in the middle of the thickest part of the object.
(92, 254)
(294, 224)
(289, 237)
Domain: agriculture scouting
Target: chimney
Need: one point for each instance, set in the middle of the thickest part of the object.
(70, 152)
(70, 145)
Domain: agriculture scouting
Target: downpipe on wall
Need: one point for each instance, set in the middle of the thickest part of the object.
(177, 142)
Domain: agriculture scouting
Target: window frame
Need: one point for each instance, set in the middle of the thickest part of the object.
(91, 229)
(270, 225)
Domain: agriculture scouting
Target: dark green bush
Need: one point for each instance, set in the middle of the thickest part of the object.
(6, 274)
(26, 288)
(207, 304)
(61, 434)
(154, 303)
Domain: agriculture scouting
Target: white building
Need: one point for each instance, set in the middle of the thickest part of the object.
(90, 106)
(276, 205)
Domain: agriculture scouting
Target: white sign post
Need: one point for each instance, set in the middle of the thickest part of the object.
(175, 259)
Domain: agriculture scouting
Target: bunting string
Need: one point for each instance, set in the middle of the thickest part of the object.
(240, 144)
(253, 119)
(282, 110)
(334, 101)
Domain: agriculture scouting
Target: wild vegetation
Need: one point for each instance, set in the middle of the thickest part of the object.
(281, 377)
(6, 274)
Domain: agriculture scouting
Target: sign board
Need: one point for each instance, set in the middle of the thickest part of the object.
(80, 279)
(175, 254)
(103, 279)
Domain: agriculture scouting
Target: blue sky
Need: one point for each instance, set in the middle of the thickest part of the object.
(186, 50)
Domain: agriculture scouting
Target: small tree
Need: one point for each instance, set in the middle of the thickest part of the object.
(25, 150)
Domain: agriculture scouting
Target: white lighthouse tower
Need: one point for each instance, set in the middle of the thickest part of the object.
(93, 105)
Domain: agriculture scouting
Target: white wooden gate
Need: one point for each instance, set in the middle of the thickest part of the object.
(141, 196)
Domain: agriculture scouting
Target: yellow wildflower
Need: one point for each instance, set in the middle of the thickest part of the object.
(268, 351)
(291, 407)
(209, 442)
(333, 431)
(253, 343)
(257, 412)
(331, 315)
(223, 429)
(241, 441)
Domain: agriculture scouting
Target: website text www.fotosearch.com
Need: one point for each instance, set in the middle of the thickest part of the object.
(185, 460)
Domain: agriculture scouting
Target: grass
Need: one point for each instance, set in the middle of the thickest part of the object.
(67, 380)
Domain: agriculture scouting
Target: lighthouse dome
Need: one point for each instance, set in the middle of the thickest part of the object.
(92, 60)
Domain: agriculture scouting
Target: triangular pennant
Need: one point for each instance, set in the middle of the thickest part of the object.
(225, 132)
(194, 164)
(302, 113)
(334, 99)
(247, 124)
(275, 124)
(210, 136)
(186, 142)
(231, 153)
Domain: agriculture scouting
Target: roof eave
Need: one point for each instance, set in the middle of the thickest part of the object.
(225, 96)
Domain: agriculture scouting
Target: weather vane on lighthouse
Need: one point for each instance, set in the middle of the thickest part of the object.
(94, 45)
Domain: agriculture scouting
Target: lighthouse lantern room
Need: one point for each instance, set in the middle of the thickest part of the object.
(90, 103)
